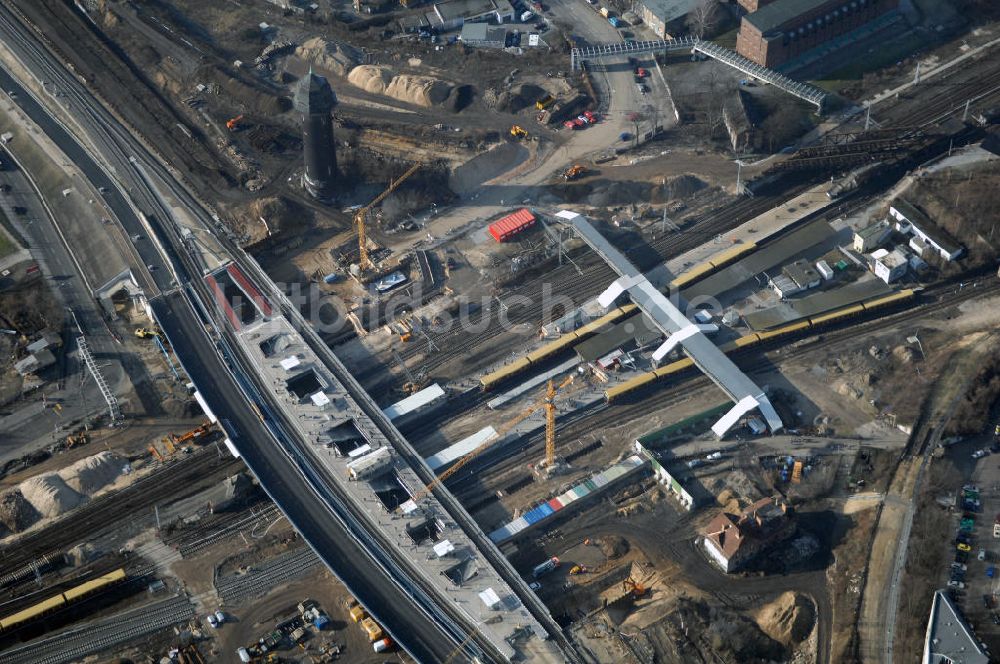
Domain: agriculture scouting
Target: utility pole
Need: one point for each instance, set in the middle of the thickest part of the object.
(965, 113)
(916, 75)
(739, 185)
(868, 118)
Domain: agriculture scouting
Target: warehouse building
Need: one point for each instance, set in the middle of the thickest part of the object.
(665, 17)
(483, 35)
(787, 29)
(870, 237)
(949, 639)
(911, 221)
(733, 540)
(453, 14)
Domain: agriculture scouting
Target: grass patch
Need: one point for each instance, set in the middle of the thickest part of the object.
(7, 246)
(885, 55)
(728, 38)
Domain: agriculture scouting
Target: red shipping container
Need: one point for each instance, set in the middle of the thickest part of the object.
(511, 225)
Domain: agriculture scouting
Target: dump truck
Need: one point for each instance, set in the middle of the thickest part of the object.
(355, 610)
(545, 102)
(546, 567)
(373, 629)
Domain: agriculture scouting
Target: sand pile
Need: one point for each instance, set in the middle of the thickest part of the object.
(419, 90)
(371, 79)
(16, 513)
(788, 619)
(89, 475)
(331, 56)
(50, 495)
(409, 88)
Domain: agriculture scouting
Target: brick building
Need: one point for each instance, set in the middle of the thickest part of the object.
(733, 540)
(785, 29)
(751, 6)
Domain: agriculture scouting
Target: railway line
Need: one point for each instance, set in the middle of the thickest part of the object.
(102, 514)
(99, 635)
(468, 483)
(577, 287)
(260, 579)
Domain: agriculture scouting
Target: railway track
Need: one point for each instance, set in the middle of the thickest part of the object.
(525, 304)
(945, 96)
(260, 579)
(468, 483)
(104, 513)
(100, 635)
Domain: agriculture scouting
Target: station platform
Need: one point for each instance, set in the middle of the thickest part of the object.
(756, 230)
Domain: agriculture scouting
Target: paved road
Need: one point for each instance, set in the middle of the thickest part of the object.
(320, 517)
(96, 175)
(28, 426)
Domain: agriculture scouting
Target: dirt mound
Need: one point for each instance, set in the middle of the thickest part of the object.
(613, 546)
(328, 55)
(615, 192)
(91, 474)
(521, 97)
(16, 513)
(683, 186)
(788, 619)
(731, 636)
(371, 79)
(50, 495)
(419, 90)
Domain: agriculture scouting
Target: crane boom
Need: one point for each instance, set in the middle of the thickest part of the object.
(525, 414)
(359, 217)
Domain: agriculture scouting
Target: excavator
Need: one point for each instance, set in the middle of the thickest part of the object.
(634, 588)
(197, 432)
(517, 131)
(232, 124)
(574, 172)
(547, 401)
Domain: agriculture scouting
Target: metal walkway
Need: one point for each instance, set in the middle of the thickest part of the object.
(805, 91)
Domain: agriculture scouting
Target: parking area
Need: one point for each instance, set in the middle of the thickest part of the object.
(973, 574)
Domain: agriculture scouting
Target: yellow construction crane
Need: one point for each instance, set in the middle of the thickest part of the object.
(550, 435)
(550, 420)
(359, 217)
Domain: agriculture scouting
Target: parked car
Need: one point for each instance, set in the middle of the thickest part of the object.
(996, 618)
(981, 555)
(996, 530)
(991, 571)
(959, 566)
(962, 546)
(961, 557)
(535, 585)
(956, 584)
(979, 454)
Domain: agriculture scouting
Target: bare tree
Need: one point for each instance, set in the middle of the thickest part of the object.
(703, 17)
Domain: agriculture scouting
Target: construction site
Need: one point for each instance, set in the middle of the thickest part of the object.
(574, 332)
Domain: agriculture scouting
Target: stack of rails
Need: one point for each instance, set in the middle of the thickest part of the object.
(46, 606)
(755, 338)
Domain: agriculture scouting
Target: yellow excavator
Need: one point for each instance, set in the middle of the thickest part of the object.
(517, 131)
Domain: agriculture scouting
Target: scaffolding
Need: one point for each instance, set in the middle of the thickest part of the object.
(113, 409)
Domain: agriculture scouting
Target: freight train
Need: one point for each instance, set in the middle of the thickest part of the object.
(76, 593)
(816, 322)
